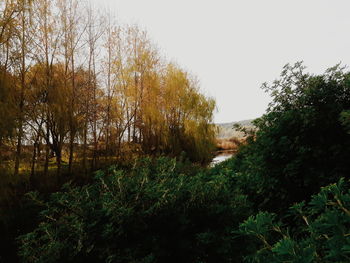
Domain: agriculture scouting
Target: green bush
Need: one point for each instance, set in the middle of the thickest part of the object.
(321, 232)
(302, 142)
(152, 213)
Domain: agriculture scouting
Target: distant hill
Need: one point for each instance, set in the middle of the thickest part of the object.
(226, 130)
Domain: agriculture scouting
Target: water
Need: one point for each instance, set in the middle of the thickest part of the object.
(223, 156)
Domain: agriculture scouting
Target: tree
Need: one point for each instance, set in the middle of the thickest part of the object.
(47, 39)
(188, 116)
(124, 98)
(300, 143)
(23, 46)
(7, 106)
(93, 35)
(9, 20)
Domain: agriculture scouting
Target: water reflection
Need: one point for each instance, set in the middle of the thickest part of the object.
(222, 156)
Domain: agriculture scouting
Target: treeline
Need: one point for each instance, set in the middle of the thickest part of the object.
(79, 90)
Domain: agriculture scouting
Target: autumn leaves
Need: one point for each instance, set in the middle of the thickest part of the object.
(85, 87)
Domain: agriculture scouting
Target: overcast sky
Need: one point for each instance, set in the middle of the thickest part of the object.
(233, 46)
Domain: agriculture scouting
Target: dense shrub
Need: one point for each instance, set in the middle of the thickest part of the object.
(322, 232)
(301, 143)
(159, 211)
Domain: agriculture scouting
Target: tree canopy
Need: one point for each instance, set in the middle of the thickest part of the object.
(301, 142)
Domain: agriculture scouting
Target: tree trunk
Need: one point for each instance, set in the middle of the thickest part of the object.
(59, 161)
(47, 151)
(32, 171)
(19, 146)
(71, 152)
(85, 148)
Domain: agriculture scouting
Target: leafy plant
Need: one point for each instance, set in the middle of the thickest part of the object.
(320, 235)
(300, 144)
(152, 213)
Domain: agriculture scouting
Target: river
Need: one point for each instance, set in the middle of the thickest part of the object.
(220, 157)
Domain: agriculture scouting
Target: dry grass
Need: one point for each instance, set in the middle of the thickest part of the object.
(229, 144)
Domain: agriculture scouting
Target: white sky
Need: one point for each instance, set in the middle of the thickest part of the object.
(233, 46)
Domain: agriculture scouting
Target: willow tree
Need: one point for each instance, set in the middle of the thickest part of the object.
(142, 61)
(50, 109)
(188, 115)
